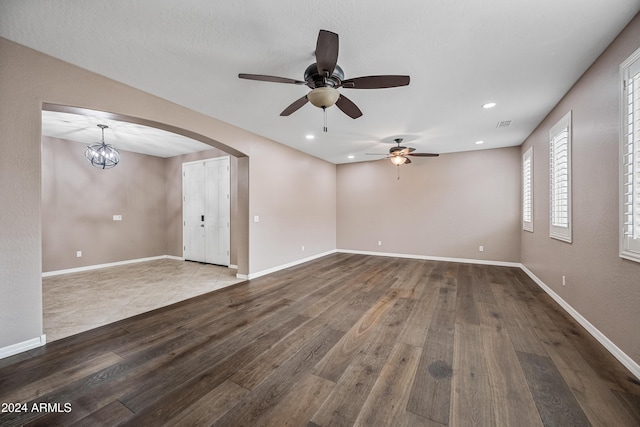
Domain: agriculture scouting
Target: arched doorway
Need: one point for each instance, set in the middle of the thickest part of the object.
(102, 234)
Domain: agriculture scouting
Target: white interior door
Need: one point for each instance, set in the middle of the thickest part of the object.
(207, 211)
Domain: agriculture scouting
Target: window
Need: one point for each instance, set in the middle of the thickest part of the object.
(527, 190)
(560, 179)
(630, 159)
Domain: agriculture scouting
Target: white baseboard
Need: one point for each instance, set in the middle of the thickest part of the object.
(233, 266)
(283, 266)
(12, 349)
(385, 254)
(622, 357)
(433, 258)
(111, 264)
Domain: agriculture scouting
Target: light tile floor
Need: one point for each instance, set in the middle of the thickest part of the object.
(77, 302)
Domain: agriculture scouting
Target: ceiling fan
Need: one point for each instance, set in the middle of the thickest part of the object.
(398, 155)
(324, 77)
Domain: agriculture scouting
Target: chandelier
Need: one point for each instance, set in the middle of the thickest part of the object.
(101, 155)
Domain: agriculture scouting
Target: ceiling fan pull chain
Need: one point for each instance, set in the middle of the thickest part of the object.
(324, 110)
(398, 172)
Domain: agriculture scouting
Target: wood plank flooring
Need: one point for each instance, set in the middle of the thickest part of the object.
(343, 340)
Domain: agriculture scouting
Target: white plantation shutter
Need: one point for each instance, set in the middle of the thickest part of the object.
(560, 179)
(527, 190)
(630, 161)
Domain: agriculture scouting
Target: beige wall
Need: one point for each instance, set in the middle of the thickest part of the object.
(79, 201)
(445, 207)
(304, 195)
(294, 206)
(601, 286)
(28, 79)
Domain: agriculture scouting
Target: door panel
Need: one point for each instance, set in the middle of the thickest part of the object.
(192, 211)
(217, 206)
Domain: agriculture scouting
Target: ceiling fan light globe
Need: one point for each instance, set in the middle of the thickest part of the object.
(323, 97)
(398, 160)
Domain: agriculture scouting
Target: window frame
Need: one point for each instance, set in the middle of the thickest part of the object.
(629, 246)
(527, 190)
(560, 232)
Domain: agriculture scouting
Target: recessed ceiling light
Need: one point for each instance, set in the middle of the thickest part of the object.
(479, 142)
(351, 157)
(310, 136)
(489, 105)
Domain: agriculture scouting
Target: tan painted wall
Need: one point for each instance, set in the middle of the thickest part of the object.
(28, 78)
(601, 286)
(445, 207)
(294, 205)
(79, 201)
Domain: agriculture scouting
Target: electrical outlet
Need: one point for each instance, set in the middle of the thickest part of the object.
(256, 218)
(564, 281)
(302, 248)
(481, 248)
(117, 217)
(379, 242)
(78, 254)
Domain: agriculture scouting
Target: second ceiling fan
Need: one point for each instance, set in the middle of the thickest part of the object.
(325, 76)
(398, 154)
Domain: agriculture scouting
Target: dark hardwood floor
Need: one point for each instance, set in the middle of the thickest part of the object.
(343, 340)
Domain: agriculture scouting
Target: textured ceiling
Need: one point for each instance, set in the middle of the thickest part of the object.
(523, 55)
(122, 135)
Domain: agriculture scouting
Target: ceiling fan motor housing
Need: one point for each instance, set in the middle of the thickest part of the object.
(397, 150)
(314, 79)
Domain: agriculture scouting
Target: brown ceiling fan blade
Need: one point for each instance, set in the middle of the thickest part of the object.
(348, 107)
(272, 79)
(375, 82)
(423, 154)
(327, 52)
(295, 106)
(407, 162)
